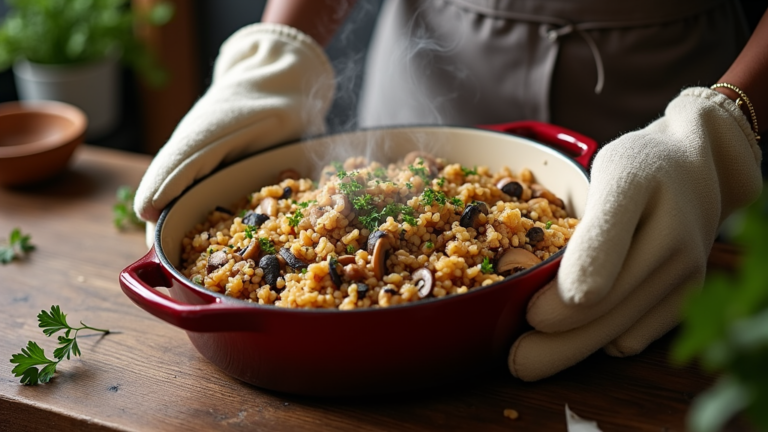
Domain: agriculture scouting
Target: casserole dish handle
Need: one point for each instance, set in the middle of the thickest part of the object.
(574, 144)
(140, 279)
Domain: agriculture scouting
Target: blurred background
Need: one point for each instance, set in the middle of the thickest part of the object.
(186, 46)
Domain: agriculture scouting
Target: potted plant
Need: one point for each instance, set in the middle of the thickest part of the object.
(69, 50)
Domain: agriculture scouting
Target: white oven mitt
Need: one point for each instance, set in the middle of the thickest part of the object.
(271, 83)
(655, 202)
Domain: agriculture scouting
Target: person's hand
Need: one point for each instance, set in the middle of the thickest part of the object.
(271, 83)
(656, 199)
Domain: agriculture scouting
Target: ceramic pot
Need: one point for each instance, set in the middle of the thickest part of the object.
(333, 352)
(92, 87)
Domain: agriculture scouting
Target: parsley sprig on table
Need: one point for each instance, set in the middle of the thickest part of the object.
(18, 246)
(122, 211)
(32, 356)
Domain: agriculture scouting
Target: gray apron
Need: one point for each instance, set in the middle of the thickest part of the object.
(600, 67)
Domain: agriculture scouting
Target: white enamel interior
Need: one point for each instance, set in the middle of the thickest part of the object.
(469, 147)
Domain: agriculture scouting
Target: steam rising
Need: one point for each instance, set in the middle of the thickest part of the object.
(416, 55)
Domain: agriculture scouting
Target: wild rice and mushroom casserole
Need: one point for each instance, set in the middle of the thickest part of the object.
(369, 235)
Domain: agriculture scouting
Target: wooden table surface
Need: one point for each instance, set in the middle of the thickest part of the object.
(147, 376)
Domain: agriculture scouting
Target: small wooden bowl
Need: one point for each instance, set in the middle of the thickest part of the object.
(37, 139)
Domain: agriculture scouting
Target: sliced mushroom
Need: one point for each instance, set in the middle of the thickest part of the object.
(424, 281)
(316, 213)
(353, 272)
(288, 174)
(472, 213)
(291, 260)
(341, 204)
(333, 270)
(255, 219)
(224, 210)
(535, 235)
(271, 267)
(251, 251)
(216, 261)
(379, 258)
(362, 290)
(516, 259)
(538, 191)
(510, 187)
(267, 206)
(429, 161)
(346, 259)
(374, 238)
(287, 192)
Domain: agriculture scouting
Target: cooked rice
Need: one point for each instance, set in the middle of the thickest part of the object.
(329, 227)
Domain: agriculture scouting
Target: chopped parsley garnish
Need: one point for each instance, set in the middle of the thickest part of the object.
(441, 181)
(364, 202)
(350, 249)
(429, 196)
(370, 222)
(429, 245)
(419, 171)
(409, 185)
(242, 213)
(210, 251)
(486, 266)
(249, 230)
(380, 172)
(343, 174)
(410, 220)
(17, 247)
(304, 271)
(197, 280)
(457, 202)
(348, 188)
(295, 219)
(467, 171)
(549, 225)
(267, 245)
(338, 166)
(305, 204)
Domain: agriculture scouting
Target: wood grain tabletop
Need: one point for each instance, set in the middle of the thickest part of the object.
(146, 376)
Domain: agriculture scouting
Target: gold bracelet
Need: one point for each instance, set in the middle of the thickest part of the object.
(742, 99)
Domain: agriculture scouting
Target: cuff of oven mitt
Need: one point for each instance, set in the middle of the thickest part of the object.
(713, 106)
(246, 41)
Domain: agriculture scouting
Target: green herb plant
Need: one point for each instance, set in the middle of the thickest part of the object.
(64, 32)
(725, 327)
(123, 215)
(17, 247)
(31, 357)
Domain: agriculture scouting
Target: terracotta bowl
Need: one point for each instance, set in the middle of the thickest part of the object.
(37, 139)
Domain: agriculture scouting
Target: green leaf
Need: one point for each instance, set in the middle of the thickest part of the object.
(29, 357)
(713, 408)
(68, 346)
(161, 13)
(47, 372)
(52, 322)
(6, 255)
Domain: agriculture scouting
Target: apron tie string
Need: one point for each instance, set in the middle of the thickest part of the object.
(553, 34)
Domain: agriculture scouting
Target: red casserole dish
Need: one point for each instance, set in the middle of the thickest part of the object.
(331, 352)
